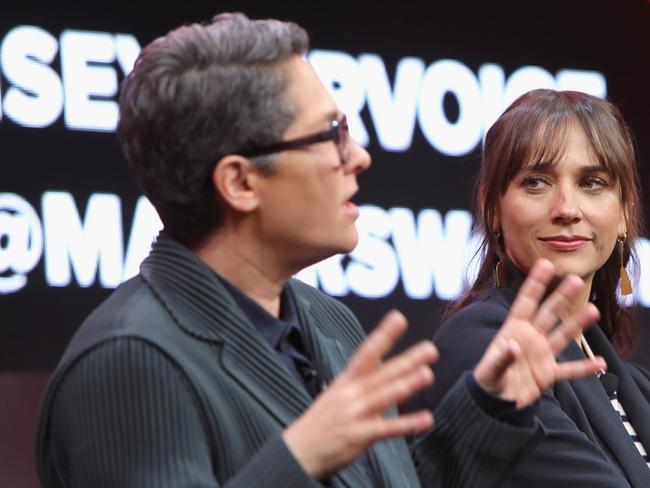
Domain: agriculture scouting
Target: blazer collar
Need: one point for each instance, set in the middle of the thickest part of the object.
(202, 307)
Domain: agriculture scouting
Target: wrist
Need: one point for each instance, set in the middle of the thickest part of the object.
(303, 454)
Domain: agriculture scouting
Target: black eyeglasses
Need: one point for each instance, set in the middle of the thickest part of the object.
(338, 132)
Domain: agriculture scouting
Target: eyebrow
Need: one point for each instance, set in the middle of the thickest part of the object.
(546, 166)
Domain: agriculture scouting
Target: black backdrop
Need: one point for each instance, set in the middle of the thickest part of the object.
(611, 38)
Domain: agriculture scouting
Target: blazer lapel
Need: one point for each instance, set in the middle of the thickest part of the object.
(333, 357)
(601, 414)
(634, 403)
(203, 308)
(330, 358)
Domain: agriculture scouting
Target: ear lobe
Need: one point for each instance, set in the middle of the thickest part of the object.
(231, 178)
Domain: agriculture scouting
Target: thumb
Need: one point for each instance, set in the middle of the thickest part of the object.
(495, 362)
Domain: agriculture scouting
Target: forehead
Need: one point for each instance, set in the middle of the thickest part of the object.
(313, 104)
(554, 143)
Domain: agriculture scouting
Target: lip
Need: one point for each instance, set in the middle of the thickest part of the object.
(563, 243)
(349, 206)
(351, 209)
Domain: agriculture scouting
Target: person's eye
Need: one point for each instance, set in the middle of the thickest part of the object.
(594, 183)
(535, 182)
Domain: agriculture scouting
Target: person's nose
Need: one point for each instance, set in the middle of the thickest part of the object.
(359, 159)
(566, 205)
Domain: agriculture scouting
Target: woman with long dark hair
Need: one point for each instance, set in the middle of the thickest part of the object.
(558, 180)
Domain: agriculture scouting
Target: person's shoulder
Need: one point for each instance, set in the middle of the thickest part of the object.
(487, 311)
(640, 373)
(463, 338)
(122, 354)
(126, 311)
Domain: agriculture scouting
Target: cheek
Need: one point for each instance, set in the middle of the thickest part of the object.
(607, 217)
(518, 221)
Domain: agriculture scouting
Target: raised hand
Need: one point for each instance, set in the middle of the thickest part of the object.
(346, 419)
(519, 364)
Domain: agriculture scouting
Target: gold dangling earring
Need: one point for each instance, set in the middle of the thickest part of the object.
(626, 284)
(500, 275)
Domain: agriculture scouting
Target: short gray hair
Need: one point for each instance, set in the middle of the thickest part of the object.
(197, 94)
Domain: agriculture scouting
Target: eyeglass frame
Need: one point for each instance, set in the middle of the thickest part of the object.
(338, 133)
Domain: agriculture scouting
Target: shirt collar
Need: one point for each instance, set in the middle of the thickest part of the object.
(274, 330)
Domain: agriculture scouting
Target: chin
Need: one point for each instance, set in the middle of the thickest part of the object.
(565, 269)
(342, 240)
(350, 243)
(324, 250)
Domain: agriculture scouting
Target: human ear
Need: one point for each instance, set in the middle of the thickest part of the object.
(493, 223)
(622, 222)
(232, 179)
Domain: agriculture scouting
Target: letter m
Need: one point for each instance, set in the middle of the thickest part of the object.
(84, 248)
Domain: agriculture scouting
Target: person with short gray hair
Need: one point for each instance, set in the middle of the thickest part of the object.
(213, 367)
(197, 95)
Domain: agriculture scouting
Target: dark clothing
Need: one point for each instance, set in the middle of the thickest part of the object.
(503, 410)
(167, 383)
(585, 443)
(283, 335)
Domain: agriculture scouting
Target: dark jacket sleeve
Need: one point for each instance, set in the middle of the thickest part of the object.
(467, 447)
(125, 416)
(565, 457)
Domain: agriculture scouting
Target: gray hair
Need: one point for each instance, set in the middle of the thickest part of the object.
(197, 94)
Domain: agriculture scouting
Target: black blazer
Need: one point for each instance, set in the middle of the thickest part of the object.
(585, 443)
(167, 383)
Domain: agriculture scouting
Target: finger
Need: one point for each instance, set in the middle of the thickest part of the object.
(382, 428)
(532, 290)
(396, 391)
(421, 354)
(559, 303)
(377, 345)
(571, 327)
(501, 353)
(579, 369)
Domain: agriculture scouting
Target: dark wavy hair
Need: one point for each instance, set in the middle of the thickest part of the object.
(197, 94)
(534, 129)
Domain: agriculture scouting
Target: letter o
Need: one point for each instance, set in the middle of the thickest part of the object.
(460, 137)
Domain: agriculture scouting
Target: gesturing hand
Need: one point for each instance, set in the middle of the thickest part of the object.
(346, 419)
(519, 364)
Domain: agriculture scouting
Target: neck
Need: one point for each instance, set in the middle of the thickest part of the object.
(244, 263)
